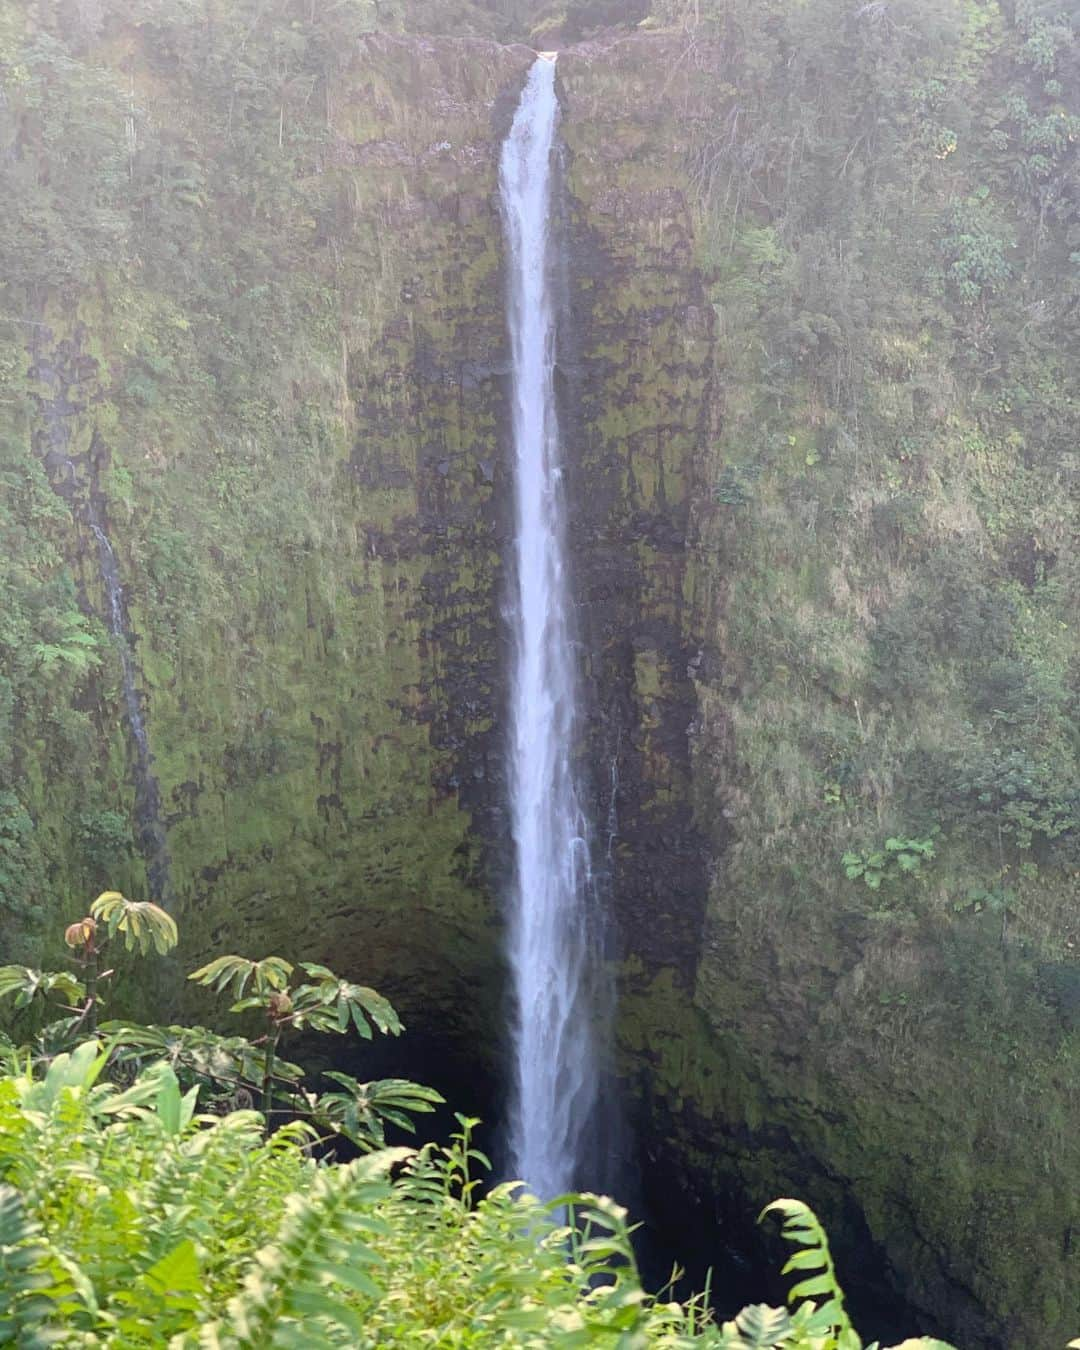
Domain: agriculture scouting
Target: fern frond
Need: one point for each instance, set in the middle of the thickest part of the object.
(24, 1279)
(763, 1328)
(802, 1227)
(320, 1246)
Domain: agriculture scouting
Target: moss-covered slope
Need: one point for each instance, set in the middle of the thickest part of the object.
(882, 577)
(260, 342)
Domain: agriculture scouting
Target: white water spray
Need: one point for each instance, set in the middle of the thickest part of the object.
(553, 925)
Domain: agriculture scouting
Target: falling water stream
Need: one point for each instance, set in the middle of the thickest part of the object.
(151, 832)
(111, 576)
(553, 926)
(57, 410)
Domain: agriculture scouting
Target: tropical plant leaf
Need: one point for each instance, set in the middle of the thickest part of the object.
(143, 924)
(363, 1110)
(928, 1343)
(24, 1278)
(177, 1272)
(237, 972)
(345, 1001)
(197, 1055)
(25, 984)
(801, 1227)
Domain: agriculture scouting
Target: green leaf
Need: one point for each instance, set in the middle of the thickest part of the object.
(271, 973)
(310, 1302)
(23, 1272)
(928, 1343)
(803, 1260)
(762, 1327)
(177, 1272)
(143, 924)
(173, 1111)
(26, 984)
(350, 1274)
(817, 1284)
(825, 1316)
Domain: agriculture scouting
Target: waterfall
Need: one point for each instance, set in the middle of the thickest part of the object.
(147, 795)
(57, 409)
(553, 923)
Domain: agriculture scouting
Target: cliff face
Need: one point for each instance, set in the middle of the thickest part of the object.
(821, 532)
(869, 530)
(636, 358)
(280, 402)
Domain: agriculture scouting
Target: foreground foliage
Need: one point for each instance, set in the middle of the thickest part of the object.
(230, 1070)
(127, 1218)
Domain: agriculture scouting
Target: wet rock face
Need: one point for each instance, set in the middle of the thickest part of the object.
(322, 706)
(635, 356)
(406, 796)
(749, 1048)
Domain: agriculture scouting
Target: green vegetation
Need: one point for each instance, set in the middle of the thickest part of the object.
(879, 209)
(226, 1069)
(128, 1217)
(249, 311)
(899, 858)
(207, 225)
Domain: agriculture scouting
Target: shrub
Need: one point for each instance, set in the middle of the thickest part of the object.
(128, 1219)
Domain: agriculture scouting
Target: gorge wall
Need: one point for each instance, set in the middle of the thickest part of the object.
(820, 434)
(298, 472)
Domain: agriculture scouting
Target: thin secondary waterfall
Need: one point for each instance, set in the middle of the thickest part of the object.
(147, 796)
(111, 576)
(57, 410)
(553, 925)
